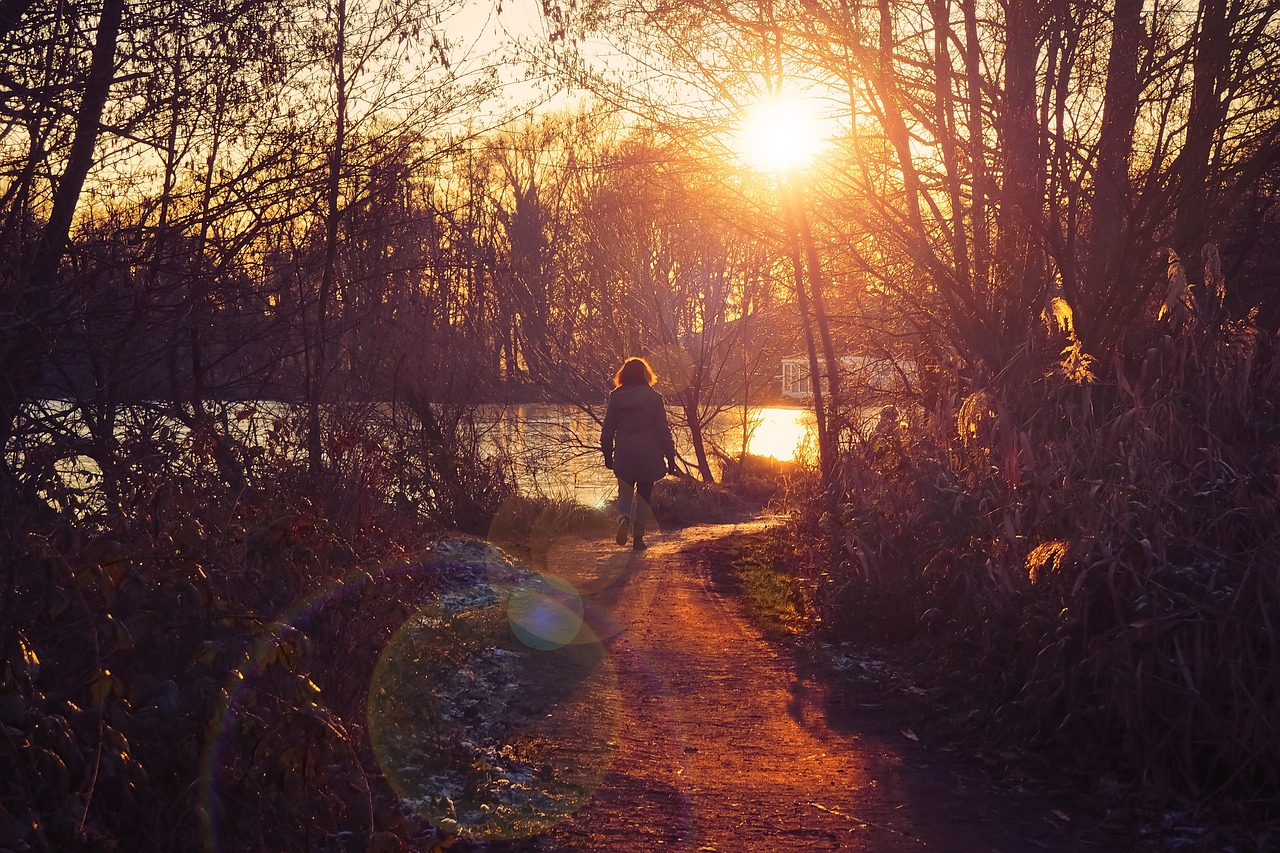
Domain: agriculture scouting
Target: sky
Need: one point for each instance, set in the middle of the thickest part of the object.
(493, 34)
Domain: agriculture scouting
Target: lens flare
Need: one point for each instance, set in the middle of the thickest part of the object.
(487, 735)
(545, 612)
(481, 733)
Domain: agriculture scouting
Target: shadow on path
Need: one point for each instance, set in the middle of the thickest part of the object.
(726, 742)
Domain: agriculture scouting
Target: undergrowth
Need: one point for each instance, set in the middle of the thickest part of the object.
(185, 652)
(747, 485)
(1090, 565)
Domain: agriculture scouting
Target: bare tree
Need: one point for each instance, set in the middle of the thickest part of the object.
(28, 295)
(1015, 153)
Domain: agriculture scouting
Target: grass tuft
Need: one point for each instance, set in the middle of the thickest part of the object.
(1090, 567)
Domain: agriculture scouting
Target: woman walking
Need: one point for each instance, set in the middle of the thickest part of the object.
(637, 446)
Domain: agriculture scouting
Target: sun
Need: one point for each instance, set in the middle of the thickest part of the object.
(781, 134)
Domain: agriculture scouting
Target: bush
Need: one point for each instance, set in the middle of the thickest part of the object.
(193, 634)
(529, 526)
(1094, 562)
(684, 501)
(757, 479)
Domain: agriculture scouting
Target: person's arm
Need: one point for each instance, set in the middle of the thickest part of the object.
(662, 427)
(607, 432)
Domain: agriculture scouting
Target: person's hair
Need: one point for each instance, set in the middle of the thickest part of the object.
(635, 371)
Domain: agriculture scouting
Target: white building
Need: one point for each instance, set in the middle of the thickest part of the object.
(859, 372)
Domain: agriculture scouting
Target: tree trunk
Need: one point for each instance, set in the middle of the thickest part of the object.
(977, 148)
(945, 129)
(1020, 205)
(827, 461)
(1195, 194)
(818, 304)
(317, 376)
(1111, 197)
(27, 339)
(895, 125)
(974, 334)
(697, 440)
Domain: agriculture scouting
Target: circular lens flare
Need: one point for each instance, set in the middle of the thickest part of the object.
(492, 712)
(545, 612)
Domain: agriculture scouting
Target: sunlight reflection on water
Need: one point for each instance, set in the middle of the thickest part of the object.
(556, 448)
(780, 433)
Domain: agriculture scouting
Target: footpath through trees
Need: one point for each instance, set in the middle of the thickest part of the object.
(721, 742)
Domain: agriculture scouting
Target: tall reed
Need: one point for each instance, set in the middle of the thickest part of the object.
(1093, 553)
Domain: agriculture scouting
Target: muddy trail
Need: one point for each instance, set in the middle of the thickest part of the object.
(719, 741)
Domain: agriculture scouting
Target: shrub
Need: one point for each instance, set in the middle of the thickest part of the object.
(1095, 562)
(192, 636)
(684, 501)
(757, 479)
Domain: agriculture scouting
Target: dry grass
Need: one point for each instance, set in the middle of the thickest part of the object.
(187, 664)
(1100, 559)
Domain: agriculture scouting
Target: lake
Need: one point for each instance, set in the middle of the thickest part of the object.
(554, 448)
(557, 447)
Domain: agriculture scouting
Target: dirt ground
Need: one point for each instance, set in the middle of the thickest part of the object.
(720, 743)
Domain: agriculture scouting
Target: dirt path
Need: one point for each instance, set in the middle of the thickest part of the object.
(721, 746)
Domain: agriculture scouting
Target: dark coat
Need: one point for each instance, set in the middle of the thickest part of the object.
(636, 434)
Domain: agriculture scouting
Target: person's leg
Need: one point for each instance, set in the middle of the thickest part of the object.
(626, 494)
(626, 506)
(644, 499)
